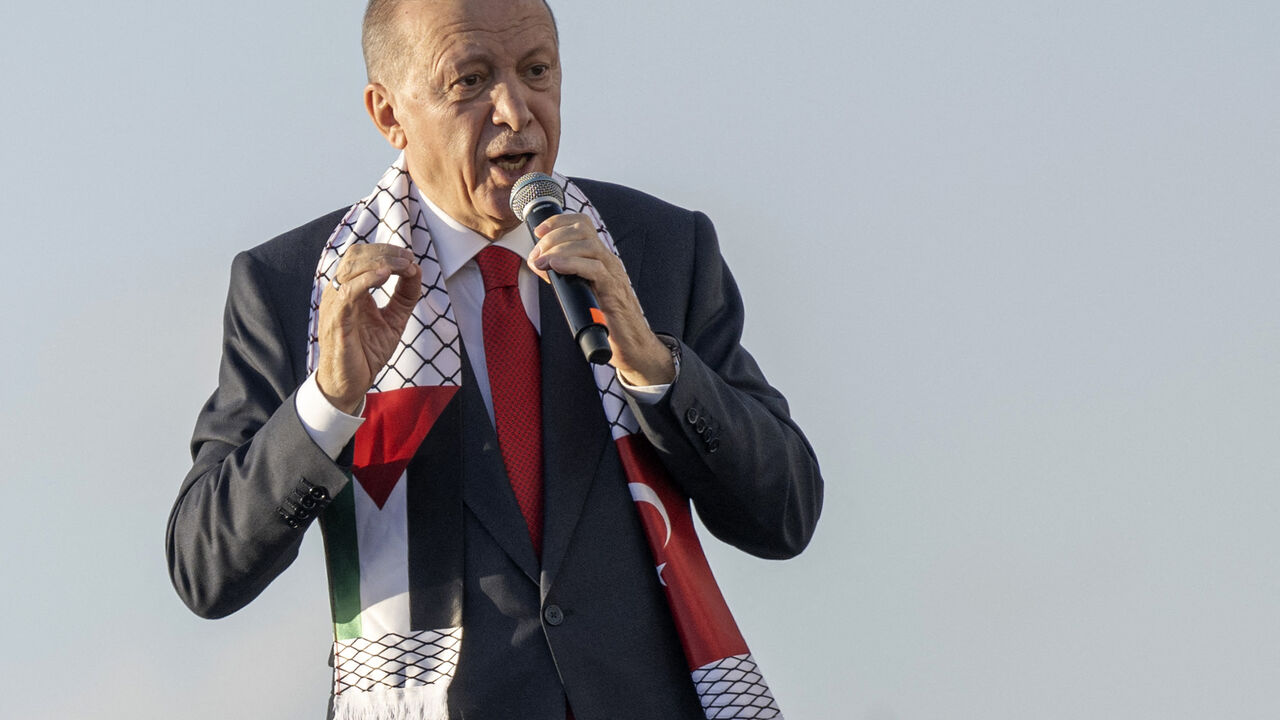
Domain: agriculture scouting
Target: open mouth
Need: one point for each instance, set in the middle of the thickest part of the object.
(513, 162)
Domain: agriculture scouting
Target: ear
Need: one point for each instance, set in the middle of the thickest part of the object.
(380, 104)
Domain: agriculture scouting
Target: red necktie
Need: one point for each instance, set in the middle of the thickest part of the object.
(515, 381)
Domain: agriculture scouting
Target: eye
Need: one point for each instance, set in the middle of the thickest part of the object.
(540, 72)
(466, 86)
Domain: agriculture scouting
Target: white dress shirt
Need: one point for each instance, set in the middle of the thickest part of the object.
(456, 247)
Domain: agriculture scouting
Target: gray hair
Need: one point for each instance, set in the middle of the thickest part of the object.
(383, 44)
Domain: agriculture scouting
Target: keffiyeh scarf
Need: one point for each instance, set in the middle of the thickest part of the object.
(396, 645)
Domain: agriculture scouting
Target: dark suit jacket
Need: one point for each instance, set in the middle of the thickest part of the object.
(590, 620)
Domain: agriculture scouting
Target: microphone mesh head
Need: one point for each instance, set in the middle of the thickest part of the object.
(534, 186)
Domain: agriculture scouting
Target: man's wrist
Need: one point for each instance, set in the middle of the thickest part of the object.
(660, 367)
(347, 405)
(651, 394)
(327, 425)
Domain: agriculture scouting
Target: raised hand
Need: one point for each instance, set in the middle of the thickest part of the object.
(356, 336)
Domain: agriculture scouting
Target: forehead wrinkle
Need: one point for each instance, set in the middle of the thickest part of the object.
(442, 40)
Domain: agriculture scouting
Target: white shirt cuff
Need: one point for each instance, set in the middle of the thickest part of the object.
(644, 394)
(329, 427)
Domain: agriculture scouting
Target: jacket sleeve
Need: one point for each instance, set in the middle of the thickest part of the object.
(724, 433)
(257, 479)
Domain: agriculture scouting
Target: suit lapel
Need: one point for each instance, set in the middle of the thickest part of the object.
(486, 488)
(574, 432)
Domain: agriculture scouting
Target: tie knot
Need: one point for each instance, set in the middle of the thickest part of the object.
(499, 267)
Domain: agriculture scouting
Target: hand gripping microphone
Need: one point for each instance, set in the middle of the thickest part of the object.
(534, 198)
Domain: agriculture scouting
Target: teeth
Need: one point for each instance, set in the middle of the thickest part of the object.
(511, 162)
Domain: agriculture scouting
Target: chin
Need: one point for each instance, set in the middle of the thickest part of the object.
(495, 213)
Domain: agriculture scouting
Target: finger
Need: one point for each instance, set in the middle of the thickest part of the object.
(370, 257)
(375, 249)
(559, 221)
(370, 271)
(532, 262)
(408, 290)
(590, 269)
(565, 229)
(567, 242)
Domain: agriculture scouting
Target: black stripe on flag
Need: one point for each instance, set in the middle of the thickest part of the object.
(434, 509)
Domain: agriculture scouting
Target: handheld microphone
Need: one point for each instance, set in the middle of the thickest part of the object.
(534, 198)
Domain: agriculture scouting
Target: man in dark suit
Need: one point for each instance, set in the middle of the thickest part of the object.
(558, 607)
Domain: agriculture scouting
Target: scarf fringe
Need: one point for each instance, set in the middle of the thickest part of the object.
(421, 702)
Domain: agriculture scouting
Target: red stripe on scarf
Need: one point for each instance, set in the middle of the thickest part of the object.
(705, 625)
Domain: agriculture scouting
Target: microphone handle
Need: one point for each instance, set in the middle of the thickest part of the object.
(581, 310)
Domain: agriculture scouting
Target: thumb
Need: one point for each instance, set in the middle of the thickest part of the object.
(407, 293)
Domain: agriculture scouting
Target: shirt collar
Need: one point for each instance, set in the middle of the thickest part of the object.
(456, 243)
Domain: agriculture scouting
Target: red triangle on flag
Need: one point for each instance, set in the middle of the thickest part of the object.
(395, 424)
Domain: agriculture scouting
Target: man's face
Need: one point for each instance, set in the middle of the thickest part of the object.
(479, 103)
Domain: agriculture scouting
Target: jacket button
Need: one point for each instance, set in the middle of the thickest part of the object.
(315, 491)
(700, 425)
(553, 614)
(713, 445)
(691, 415)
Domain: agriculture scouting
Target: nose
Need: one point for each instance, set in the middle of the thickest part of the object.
(510, 107)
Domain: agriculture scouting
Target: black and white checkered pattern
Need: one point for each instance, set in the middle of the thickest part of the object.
(396, 661)
(734, 689)
(430, 350)
(621, 421)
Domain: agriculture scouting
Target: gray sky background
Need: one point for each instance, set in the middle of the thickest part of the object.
(1013, 263)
